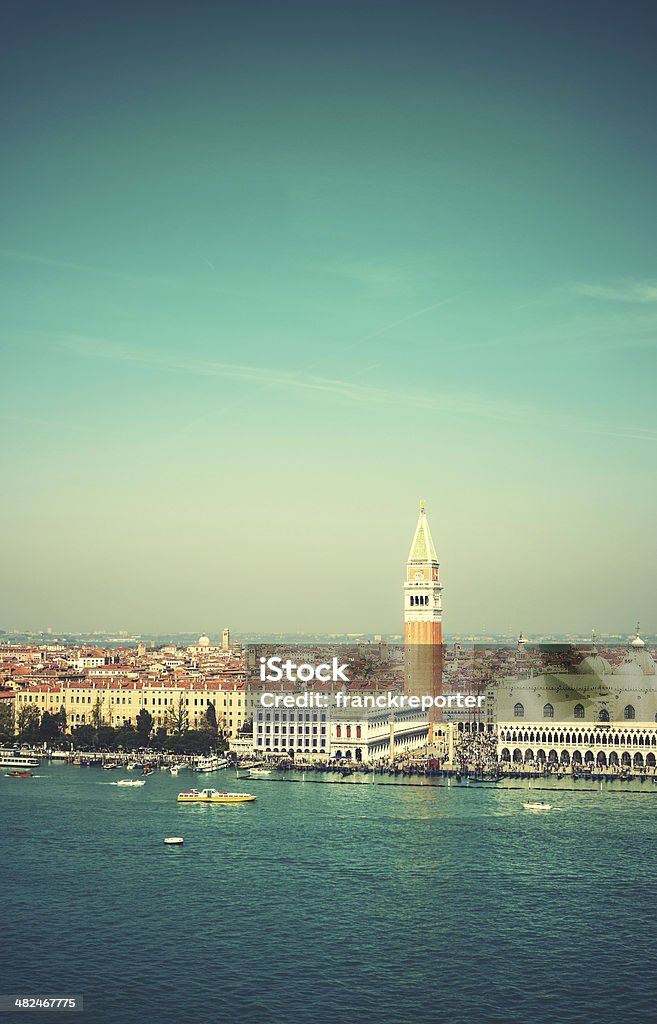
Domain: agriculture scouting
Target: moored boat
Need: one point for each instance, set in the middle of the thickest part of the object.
(213, 796)
(21, 762)
(210, 764)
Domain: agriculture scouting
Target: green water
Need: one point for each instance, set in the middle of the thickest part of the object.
(329, 902)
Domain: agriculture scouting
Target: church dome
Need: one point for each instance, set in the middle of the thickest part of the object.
(637, 641)
(204, 641)
(594, 664)
(629, 667)
(644, 660)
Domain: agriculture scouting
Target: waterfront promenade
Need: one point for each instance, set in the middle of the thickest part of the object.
(407, 769)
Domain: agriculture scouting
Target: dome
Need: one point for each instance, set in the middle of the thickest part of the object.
(629, 667)
(643, 658)
(204, 641)
(594, 665)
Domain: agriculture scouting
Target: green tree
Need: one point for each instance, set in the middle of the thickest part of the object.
(6, 720)
(61, 720)
(49, 727)
(84, 737)
(144, 725)
(97, 713)
(159, 741)
(211, 718)
(29, 719)
(196, 741)
(106, 737)
(127, 737)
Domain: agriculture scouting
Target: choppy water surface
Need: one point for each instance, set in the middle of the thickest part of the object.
(329, 902)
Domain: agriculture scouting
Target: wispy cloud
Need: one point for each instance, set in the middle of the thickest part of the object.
(409, 316)
(619, 291)
(93, 270)
(83, 268)
(461, 404)
(347, 390)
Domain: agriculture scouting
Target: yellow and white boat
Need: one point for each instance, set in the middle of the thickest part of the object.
(213, 796)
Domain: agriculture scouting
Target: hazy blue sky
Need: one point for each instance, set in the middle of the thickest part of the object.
(273, 272)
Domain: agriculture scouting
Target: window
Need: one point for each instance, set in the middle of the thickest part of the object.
(629, 712)
(518, 710)
(579, 711)
(548, 711)
(604, 715)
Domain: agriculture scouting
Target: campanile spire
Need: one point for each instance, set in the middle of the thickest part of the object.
(423, 616)
(422, 589)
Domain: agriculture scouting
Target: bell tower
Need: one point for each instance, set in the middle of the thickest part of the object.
(423, 618)
(423, 610)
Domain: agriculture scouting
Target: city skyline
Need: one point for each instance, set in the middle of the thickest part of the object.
(264, 290)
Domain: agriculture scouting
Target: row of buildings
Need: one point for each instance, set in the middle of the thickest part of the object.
(543, 704)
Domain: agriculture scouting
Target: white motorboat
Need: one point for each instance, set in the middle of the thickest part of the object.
(174, 841)
(257, 773)
(130, 782)
(537, 805)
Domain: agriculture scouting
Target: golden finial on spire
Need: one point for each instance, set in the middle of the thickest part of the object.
(422, 505)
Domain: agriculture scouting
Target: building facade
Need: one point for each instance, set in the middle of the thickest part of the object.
(118, 702)
(599, 715)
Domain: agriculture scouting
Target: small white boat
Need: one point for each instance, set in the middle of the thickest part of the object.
(175, 768)
(130, 782)
(537, 805)
(174, 841)
(259, 772)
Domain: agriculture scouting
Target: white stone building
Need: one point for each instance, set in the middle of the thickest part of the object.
(599, 714)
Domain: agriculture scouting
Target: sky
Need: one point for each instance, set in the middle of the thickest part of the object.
(271, 273)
